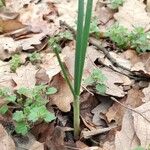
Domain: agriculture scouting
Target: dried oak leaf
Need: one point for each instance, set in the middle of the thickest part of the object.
(5, 75)
(133, 14)
(141, 125)
(126, 139)
(146, 92)
(63, 98)
(25, 76)
(6, 142)
(51, 65)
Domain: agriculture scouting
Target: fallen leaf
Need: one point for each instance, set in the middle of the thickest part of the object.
(101, 110)
(5, 75)
(63, 98)
(37, 146)
(25, 76)
(113, 78)
(146, 92)
(126, 139)
(133, 14)
(6, 142)
(116, 112)
(7, 48)
(51, 65)
(141, 125)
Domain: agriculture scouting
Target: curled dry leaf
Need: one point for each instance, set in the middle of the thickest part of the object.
(25, 76)
(133, 14)
(6, 142)
(126, 139)
(141, 125)
(63, 98)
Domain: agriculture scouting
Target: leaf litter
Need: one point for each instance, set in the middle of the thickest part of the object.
(32, 23)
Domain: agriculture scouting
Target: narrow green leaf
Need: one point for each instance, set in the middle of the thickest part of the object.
(78, 53)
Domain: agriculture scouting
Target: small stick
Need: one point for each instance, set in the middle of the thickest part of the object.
(132, 109)
(88, 134)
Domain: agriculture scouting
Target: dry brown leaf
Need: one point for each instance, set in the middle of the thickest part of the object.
(50, 64)
(133, 14)
(116, 112)
(7, 47)
(63, 98)
(113, 78)
(146, 92)
(37, 146)
(25, 76)
(141, 125)
(126, 139)
(5, 75)
(101, 110)
(6, 142)
(148, 5)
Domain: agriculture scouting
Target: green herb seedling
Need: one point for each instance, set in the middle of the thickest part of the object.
(30, 106)
(15, 62)
(34, 57)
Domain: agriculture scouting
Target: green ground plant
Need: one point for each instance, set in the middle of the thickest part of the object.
(15, 62)
(137, 39)
(114, 4)
(29, 106)
(98, 80)
(55, 42)
(34, 57)
(83, 29)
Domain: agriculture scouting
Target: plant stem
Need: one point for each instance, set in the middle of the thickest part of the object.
(76, 106)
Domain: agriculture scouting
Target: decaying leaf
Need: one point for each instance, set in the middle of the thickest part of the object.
(37, 146)
(146, 92)
(51, 65)
(141, 125)
(133, 14)
(63, 98)
(6, 142)
(101, 110)
(25, 76)
(126, 139)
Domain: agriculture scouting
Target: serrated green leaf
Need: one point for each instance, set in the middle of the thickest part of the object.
(21, 128)
(11, 98)
(18, 116)
(49, 117)
(51, 91)
(89, 81)
(101, 88)
(25, 91)
(3, 109)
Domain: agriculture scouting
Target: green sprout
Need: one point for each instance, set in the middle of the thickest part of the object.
(34, 57)
(15, 62)
(83, 29)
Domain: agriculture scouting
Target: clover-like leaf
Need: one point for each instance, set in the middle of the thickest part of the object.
(51, 91)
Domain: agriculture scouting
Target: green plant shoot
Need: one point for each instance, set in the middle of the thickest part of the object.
(83, 29)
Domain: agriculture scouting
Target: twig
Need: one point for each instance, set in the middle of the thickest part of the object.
(132, 109)
(95, 42)
(88, 134)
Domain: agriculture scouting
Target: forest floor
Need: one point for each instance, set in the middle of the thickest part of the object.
(38, 117)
